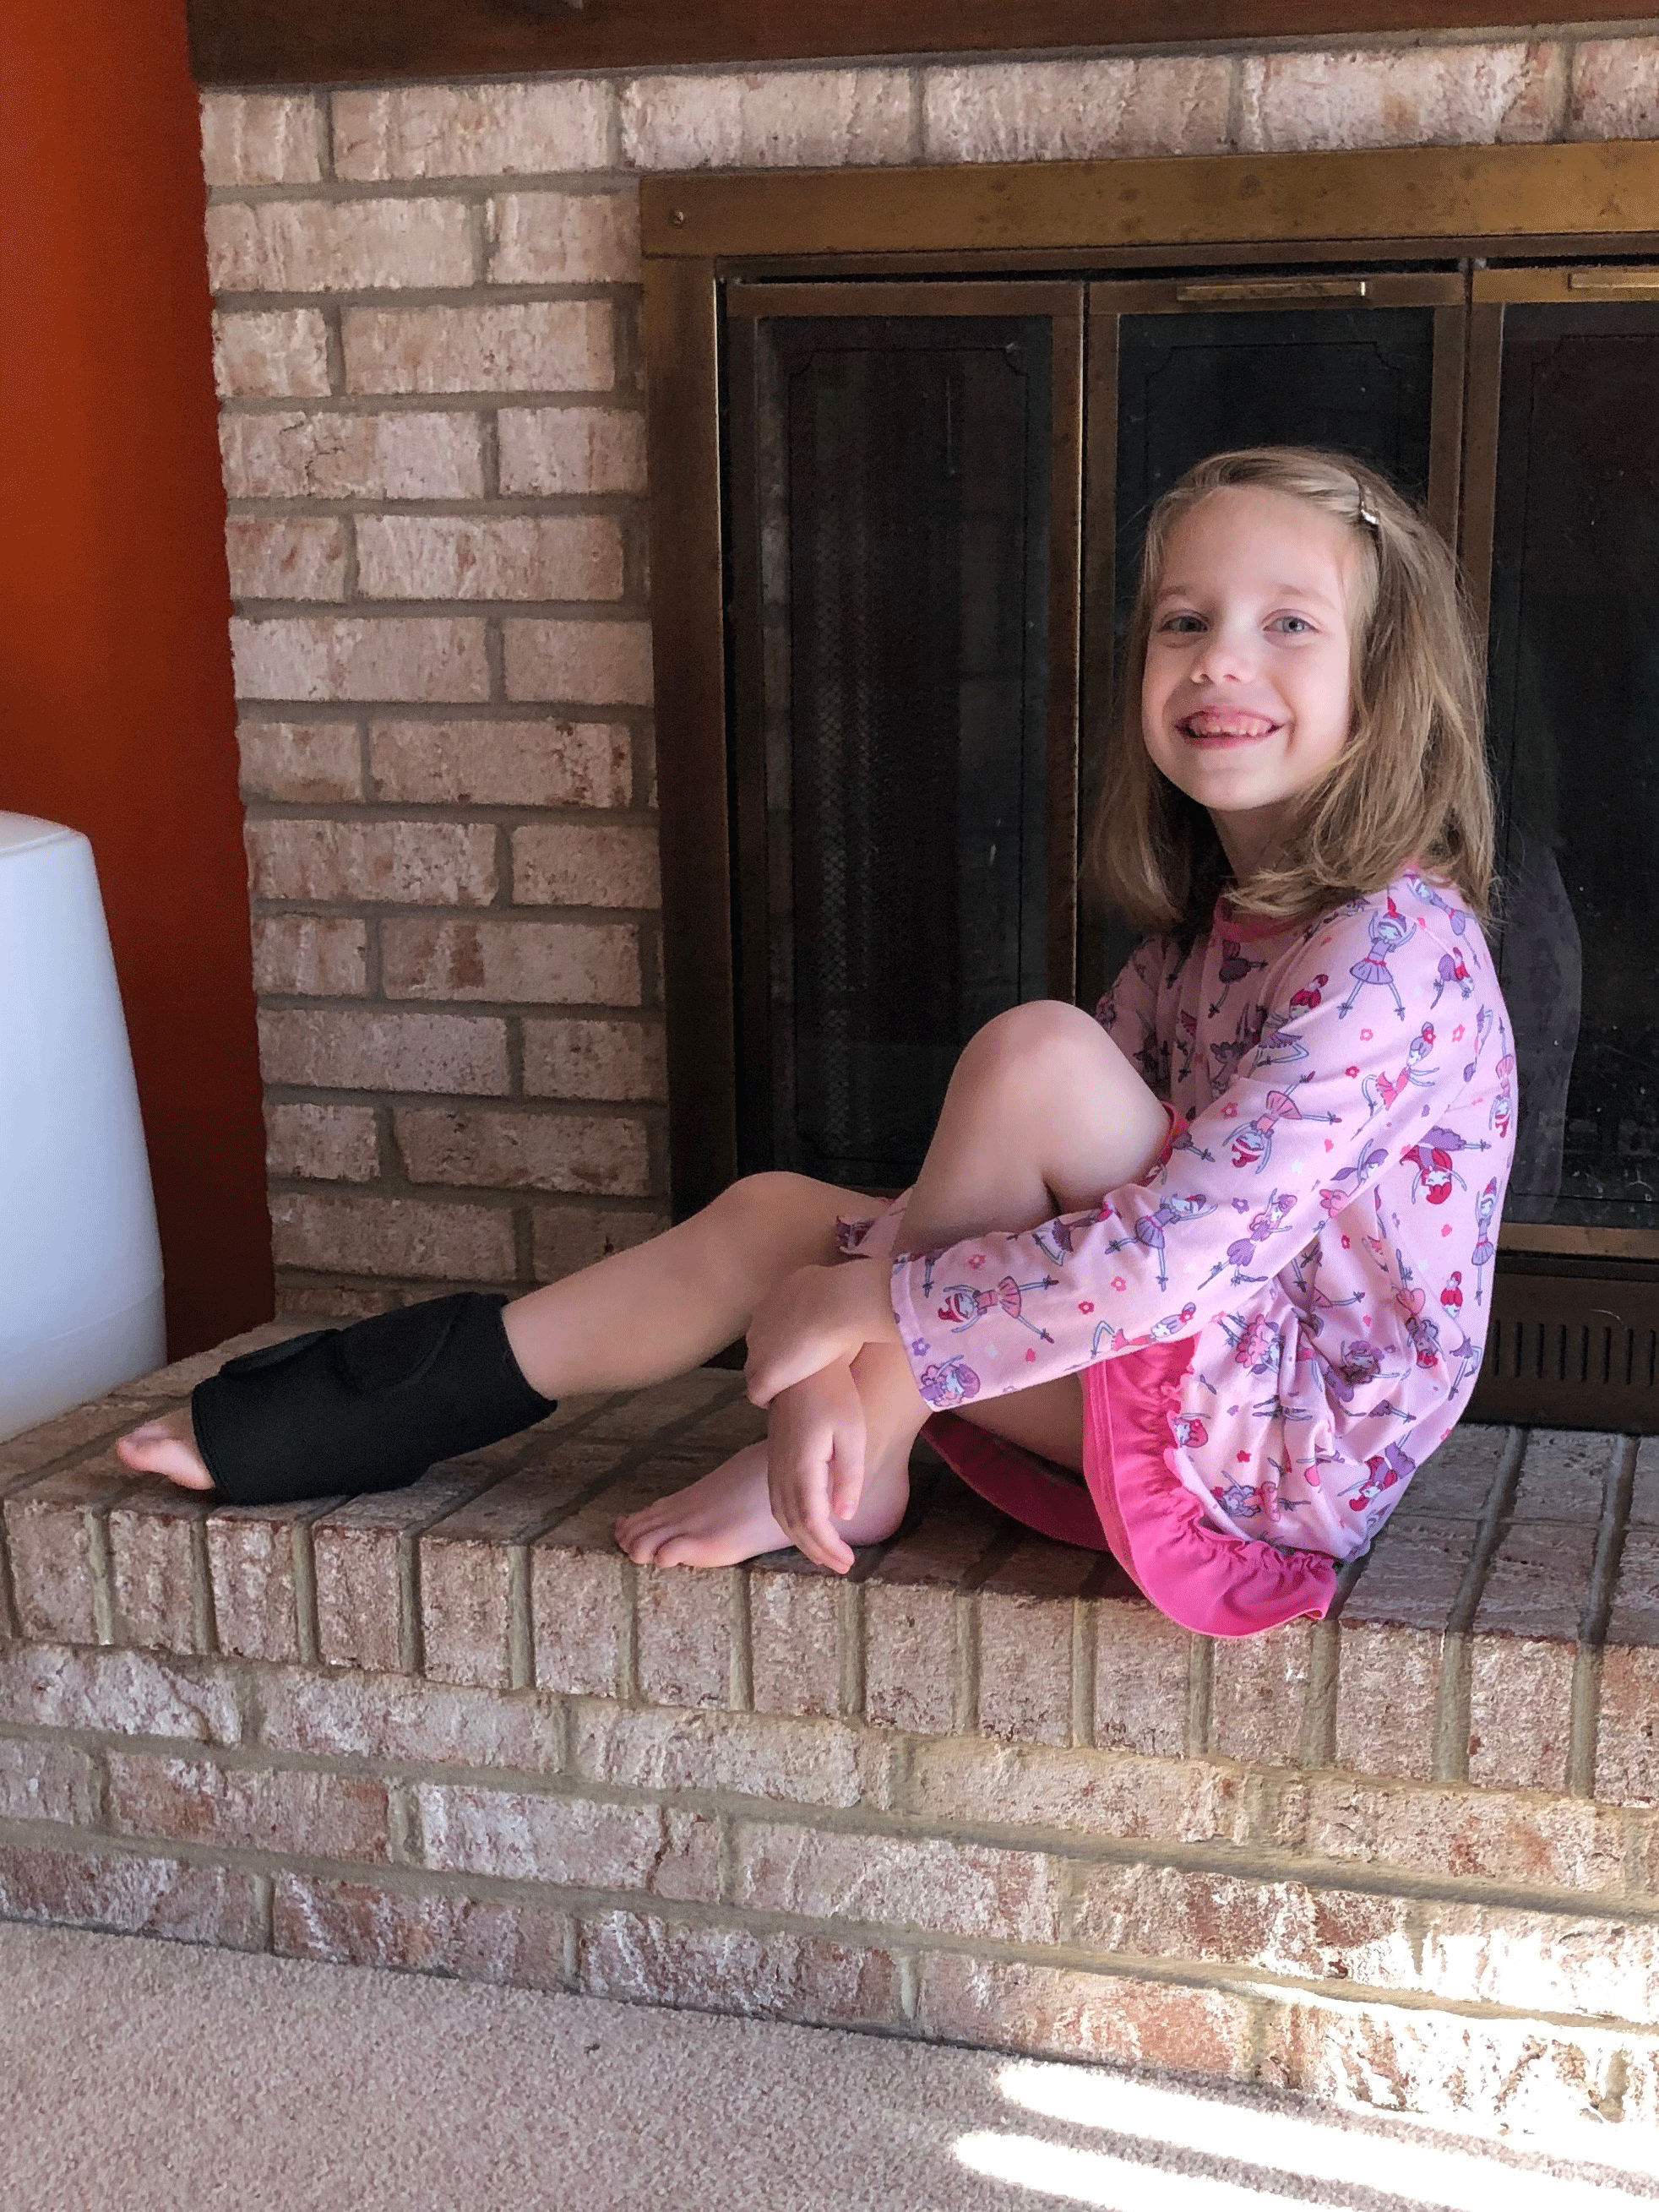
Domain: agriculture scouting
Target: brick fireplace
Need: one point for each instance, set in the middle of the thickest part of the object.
(978, 1791)
(429, 354)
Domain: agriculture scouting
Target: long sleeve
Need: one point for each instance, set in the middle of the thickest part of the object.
(1128, 1013)
(1315, 1086)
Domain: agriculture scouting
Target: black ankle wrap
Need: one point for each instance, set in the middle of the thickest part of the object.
(367, 1407)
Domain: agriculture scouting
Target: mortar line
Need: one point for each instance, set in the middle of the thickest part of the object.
(521, 1634)
(606, 180)
(1317, 1746)
(1611, 2103)
(490, 454)
(204, 1611)
(727, 1870)
(307, 1629)
(849, 1648)
(265, 1911)
(1201, 1683)
(964, 1672)
(1619, 1484)
(1085, 1642)
(422, 608)
(350, 585)
(1216, 1858)
(907, 1968)
(479, 228)
(1416, 1925)
(740, 1678)
(403, 1828)
(257, 1859)
(1450, 1762)
(333, 319)
(628, 1652)
(411, 1637)
(328, 164)
(1255, 2038)
(1241, 1979)
(10, 1626)
(320, 409)
(1234, 126)
(101, 1568)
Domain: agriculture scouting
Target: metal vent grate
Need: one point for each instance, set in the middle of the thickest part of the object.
(1571, 1352)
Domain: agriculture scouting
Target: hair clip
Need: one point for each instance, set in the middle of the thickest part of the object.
(1362, 513)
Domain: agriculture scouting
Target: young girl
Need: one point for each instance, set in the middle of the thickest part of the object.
(1225, 1249)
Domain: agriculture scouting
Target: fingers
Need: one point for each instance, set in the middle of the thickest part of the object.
(806, 1522)
(817, 1536)
(846, 1477)
(815, 1454)
(800, 1506)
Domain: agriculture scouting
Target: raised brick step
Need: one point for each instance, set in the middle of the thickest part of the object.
(979, 1791)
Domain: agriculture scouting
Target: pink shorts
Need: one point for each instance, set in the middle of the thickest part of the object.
(1137, 1507)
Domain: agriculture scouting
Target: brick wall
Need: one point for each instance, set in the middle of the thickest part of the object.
(429, 352)
(978, 1791)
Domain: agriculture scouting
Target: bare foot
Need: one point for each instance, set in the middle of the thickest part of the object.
(166, 1446)
(726, 1516)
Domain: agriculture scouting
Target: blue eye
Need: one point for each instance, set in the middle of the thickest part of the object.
(1301, 621)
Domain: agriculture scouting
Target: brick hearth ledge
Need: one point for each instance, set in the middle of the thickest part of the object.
(978, 1792)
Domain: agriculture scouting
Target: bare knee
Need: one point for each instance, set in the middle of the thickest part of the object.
(789, 1217)
(1044, 1033)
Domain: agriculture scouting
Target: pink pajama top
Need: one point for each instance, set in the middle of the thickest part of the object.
(1284, 1317)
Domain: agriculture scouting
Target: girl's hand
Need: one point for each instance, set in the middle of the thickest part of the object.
(814, 1462)
(815, 1317)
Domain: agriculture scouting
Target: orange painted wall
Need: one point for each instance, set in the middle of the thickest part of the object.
(116, 705)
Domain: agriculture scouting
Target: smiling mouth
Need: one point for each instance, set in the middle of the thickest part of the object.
(1215, 727)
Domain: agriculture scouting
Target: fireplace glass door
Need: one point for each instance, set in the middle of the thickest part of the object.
(904, 650)
(938, 496)
(1574, 724)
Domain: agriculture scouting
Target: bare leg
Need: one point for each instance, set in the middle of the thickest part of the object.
(634, 1319)
(1043, 1115)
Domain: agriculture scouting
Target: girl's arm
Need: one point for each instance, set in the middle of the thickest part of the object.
(1337, 1090)
(821, 1314)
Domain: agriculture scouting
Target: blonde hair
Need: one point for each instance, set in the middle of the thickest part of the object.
(1412, 782)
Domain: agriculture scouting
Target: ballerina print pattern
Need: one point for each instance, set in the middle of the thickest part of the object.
(1321, 1226)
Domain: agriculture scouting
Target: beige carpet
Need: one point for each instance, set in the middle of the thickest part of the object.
(144, 2077)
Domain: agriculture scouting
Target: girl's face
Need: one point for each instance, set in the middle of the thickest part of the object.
(1246, 698)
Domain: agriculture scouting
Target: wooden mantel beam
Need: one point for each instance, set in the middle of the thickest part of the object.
(275, 42)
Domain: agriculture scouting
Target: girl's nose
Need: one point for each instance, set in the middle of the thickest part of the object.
(1223, 660)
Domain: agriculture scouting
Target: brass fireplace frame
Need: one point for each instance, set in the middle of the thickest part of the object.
(1577, 1321)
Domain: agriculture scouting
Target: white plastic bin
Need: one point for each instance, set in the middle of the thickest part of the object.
(80, 1259)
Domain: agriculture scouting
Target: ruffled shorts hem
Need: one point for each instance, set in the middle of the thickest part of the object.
(1133, 1504)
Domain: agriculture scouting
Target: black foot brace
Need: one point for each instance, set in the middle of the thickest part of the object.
(367, 1407)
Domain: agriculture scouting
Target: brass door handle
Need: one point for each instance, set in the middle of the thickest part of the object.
(1643, 282)
(1222, 291)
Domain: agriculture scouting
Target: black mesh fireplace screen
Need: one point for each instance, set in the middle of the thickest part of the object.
(902, 649)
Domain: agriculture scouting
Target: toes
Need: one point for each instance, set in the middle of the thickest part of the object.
(154, 1449)
(679, 1552)
(640, 1544)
